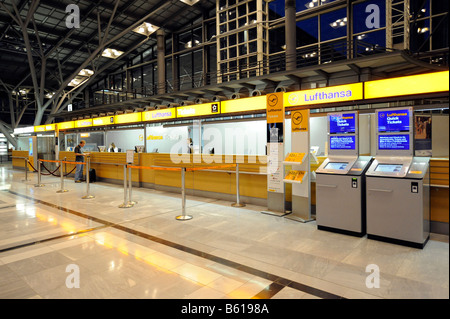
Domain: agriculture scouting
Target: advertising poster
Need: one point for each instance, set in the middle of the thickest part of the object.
(422, 135)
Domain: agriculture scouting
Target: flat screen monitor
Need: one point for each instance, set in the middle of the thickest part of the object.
(394, 142)
(336, 165)
(342, 123)
(389, 168)
(343, 142)
(394, 121)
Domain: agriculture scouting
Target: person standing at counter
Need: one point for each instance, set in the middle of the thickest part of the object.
(79, 158)
(112, 148)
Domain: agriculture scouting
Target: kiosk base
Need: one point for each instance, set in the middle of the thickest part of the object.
(341, 231)
(399, 241)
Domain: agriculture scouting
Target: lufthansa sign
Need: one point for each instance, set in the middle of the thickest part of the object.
(333, 94)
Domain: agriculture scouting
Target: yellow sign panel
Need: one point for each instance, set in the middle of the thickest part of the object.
(40, 128)
(101, 121)
(83, 123)
(66, 125)
(128, 118)
(300, 121)
(157, 115)
(199, 110)
(407, 85)
(275, 108)
(50, 127)
(244, 105)
(332, 94)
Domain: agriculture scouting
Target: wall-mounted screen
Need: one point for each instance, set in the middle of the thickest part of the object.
(343, 142)
(394, 142)
(342, 123)
(336, 166)
(389, 168)
(394, 121)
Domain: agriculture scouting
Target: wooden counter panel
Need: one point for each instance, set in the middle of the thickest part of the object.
(439, 204)
(18, 162)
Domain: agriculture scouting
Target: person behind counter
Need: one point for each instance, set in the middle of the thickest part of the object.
(79, 157)
(112, 148)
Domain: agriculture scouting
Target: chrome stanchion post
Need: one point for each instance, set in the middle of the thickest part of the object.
(130, 189)
(88, 168)
(238, 196)
(39, 175)
(125, 204)
(62, 190)
(26, 169)
(183, 216)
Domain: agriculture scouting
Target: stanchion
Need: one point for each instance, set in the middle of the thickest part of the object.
(26, 170)
(88, 168)
(126, 203)
(130, 188)
(39, 184)
(183, 216)
(62, 190)
(238, 196)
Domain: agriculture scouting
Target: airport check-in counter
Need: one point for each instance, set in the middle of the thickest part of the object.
(398, 200)
(340, 185)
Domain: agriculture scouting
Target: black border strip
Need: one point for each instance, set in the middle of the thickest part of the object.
(278, 282)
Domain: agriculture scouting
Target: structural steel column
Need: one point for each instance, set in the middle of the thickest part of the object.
(160, 44)
(291, 41)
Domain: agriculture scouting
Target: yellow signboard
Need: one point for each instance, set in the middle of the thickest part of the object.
(101, 121)
(275, 108)
(50, 127)
(83, 123)
(407, 85)
(244, 105)
(300, 121)
(40, 128)
(199, 110)
(66, 125)
(157, 115)
(128, 118)
(331, 94)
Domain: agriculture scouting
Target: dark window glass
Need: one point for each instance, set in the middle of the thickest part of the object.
(307, 31)
(369, 15)
(333, 24)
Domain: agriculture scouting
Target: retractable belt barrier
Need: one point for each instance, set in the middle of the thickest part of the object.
(128, 202)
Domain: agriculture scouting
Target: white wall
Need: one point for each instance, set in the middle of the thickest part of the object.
(171, 136)
(125, 139)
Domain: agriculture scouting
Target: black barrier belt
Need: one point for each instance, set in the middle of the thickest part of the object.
(53, 173)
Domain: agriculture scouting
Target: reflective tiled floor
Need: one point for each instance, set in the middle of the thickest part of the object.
(223, 252)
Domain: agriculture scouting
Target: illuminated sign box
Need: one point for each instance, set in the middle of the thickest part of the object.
(66, 125)
(128, 118)
(50, 127)
(83, 123)
(101, 121)
(40, 128)
(157, 115)
(332, 94)
(199, 110)
(393, 121)
(244, 105)
(407, 85)
(342, 123)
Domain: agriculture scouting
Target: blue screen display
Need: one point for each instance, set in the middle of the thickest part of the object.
(342, 142)
(342, 123)
(393, 121)
(393, 142)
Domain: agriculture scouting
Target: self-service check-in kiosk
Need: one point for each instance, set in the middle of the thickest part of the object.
(398, 193)
(340, 180)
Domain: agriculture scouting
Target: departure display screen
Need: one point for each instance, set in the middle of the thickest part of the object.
(342, 123)
(393, 142)
(389, 168)
(343, 142)
(394, 121)
(336, 166)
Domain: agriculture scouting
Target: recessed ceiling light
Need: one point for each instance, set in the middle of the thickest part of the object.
(146, 29)
(112, 53)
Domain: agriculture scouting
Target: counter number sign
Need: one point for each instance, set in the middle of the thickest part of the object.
(215, 108)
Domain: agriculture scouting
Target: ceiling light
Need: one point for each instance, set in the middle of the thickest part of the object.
(112, 53)
(339, 23)
(190, 2)
(146, 29)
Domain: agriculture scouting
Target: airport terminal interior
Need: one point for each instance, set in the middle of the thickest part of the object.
(224, 149)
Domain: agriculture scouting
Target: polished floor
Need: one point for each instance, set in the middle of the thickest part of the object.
(50, 242)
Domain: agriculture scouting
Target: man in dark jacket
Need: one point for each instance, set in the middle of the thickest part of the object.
(79, 158)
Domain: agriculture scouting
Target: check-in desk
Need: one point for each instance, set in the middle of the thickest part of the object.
(398, 200)
(340, 191)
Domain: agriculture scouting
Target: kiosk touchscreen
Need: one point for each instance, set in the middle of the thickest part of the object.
(340, 184)
(398, 203)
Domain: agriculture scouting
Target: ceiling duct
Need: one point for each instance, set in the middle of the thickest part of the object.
(236, 96)
(173, 105)
(201, 100)
(280, 89)
(257, 93)
(186, 103)
(218, 98)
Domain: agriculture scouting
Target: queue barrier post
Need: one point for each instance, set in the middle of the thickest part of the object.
(26, 169)
(126, 203)
(183, 216)
(238, 196)
(130, 188)
(62, 190)
(39, 184)
(88, 168)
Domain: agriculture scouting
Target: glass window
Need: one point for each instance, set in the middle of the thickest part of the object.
(333, 25)
(440, 31)
(369, 43)
(184, 40)
(439, 6)
(307, 31)
(420, 9)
